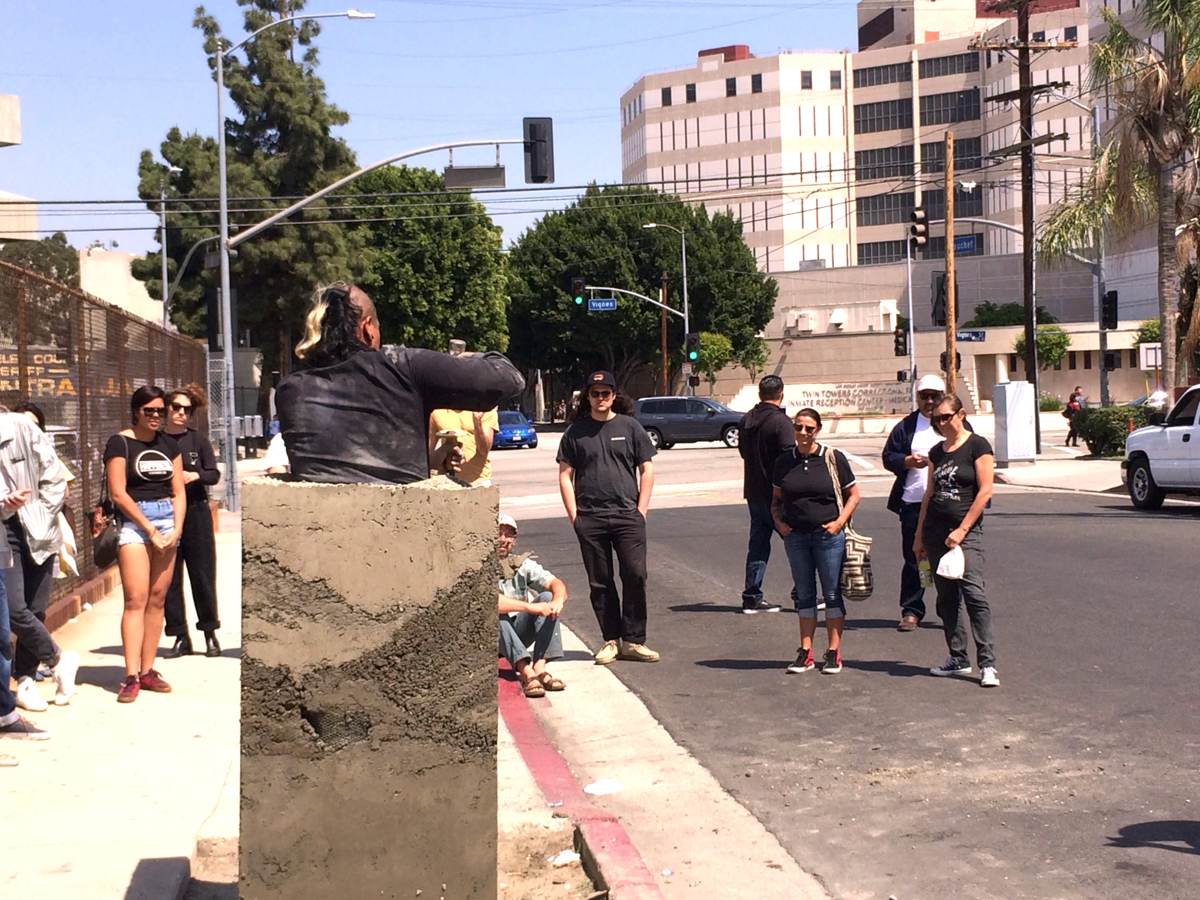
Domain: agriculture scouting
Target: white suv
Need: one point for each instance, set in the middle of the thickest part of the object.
(1164, 457)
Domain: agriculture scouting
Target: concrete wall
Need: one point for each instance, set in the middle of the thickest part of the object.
(368, 691)
(107, 275)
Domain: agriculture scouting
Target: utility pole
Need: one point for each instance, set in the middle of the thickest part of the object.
(1025, 101)
(951, 326)
(663, 300)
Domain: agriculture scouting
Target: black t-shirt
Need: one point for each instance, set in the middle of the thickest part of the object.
(149, 466)
(954, 483)
(605, 457)
(808, 497)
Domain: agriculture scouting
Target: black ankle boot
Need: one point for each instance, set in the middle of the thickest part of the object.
(182, 647)
(211, 647)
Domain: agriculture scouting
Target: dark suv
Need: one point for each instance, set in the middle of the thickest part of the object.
(672, 420)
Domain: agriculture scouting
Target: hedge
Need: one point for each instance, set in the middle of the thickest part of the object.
(1104, 430)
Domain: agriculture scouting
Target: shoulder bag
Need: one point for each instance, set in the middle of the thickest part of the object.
(106, 526)
(857, 581)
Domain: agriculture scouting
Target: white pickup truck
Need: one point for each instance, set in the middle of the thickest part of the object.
(1164, 457)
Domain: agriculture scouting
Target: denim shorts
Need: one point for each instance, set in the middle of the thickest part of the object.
(161, 514)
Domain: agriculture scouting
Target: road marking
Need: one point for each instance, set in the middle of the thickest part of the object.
(857, 460)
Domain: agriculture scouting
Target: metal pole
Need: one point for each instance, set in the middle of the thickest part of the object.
(663, 312)
(686, 321)
(951, 368)
(232, 492)
(162, 206)
(1105, 399)
(912, 349)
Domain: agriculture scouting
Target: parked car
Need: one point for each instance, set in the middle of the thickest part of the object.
(1164, 457)
(672, 420)
(515, 430)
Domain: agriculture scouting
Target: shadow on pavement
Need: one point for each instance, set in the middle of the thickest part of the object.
(211, 890)
(1165, 835)
(155, 878)
(705, 607)
(107, 677)
(892, 667)
(779, 664)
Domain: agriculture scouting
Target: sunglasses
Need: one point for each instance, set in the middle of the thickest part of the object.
(806, 429)
(929, 395)
(942, 419)
(600, 395)
(154, 411)
(179, 407)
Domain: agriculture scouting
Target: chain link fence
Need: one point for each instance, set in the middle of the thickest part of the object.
(79, 359)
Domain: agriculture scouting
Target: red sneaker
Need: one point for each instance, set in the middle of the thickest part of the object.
(152, 681)
(129, 689)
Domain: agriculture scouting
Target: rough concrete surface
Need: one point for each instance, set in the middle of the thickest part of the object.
(368, 691)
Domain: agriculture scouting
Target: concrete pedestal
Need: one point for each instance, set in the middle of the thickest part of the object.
(368, 691)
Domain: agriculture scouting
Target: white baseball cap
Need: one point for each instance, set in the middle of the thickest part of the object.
(931, 383)
(507, 520)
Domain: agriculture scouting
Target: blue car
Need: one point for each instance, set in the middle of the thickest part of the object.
(515, 430)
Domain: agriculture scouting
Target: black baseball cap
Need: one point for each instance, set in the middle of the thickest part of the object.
(602, 377)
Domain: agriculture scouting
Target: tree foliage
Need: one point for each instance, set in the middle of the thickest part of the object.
(997, 315)
(53, 257)
(716, 352)
(1149, 332)
(1052, 345)
(602, 239)
(434, 265)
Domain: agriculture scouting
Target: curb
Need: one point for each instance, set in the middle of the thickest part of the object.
(609, 856)
(65, 608)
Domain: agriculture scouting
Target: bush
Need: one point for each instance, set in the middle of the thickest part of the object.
(1104, 430)
(1052, 403)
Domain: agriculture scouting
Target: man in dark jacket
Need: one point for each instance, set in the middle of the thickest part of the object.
(763, 434)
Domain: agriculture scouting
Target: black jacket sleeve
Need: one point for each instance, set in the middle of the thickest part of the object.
(209, 473)
(479, 382)
(898, 445)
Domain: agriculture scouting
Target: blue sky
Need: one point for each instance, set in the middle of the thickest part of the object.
(100, 82)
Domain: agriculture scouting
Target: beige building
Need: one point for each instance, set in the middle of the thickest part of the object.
(107, 274)
(18, 215)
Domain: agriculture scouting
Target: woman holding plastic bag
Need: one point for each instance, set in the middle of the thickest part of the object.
(950, 533)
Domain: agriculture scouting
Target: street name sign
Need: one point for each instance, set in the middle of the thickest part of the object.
(970, 337)
(602, 304)
(964, 243)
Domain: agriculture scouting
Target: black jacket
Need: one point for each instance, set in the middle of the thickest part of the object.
(365, 419)
(896, 450)
(763, 434)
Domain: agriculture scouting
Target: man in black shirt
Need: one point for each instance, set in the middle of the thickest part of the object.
(600, 459)
(358, 413)
(765, 432)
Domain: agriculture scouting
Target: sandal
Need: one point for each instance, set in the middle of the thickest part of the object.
(550, 683)
(533, 688)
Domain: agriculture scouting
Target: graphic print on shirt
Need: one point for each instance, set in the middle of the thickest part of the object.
(945, 484)
(193, 459)
(153, 465)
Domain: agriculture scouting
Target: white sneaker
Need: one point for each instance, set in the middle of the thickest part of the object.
(28, 696)
(989, 677)
(64, 677)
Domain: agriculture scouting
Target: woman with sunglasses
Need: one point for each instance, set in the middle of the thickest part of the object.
(145, 483)
(961, 472)
(197, 544)
(809, 516)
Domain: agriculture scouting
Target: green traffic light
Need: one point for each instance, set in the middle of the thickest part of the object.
(579, 301)
(693, 355)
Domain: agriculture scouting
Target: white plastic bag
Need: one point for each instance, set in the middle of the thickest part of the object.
(953, 564)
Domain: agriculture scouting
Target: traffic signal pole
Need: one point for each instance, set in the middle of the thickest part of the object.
(912, 349)
(951, 366)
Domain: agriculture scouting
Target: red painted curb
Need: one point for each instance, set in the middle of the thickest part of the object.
(619, 867)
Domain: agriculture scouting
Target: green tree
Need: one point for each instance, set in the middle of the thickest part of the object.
(716, 352)
(434, 265)
(993, 315)
(53, 257)
(754, 357)
(1149, 332)
(601, 238)
(1052, 345)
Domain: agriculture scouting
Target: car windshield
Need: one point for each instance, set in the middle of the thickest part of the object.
(512, 417)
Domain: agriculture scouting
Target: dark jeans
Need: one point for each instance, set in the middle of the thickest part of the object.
(813, 555)
(8, 703)
(912, 595)
(762, 526)
(28, 585)
(198, 550)
(600, 535)
(968, 590)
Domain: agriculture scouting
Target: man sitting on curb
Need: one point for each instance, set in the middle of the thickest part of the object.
(522, 623)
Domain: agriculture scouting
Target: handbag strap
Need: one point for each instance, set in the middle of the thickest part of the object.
(831, 463)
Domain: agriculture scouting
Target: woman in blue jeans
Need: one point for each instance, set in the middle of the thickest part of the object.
(808, 515)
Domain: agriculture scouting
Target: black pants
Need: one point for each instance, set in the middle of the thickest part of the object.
(600, 534)
(28, 586)
(912, 595)
(968, 591)
(198, 551)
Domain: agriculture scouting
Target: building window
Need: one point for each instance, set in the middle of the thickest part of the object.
(1058, 366)
(968, 154)
(989, 59)
(690, 92)
(756, 84)
(886, 162)
(1087, 359)
(730, 87)
(1133, 358)
(884, 209)
(1012, 362)
(1072, 362)
(806, 81)
(966, 203)
(888, 115)
(666, 96)
(878, 253)
(1039, 37)
(937, 66)
(835, 80)
(1116, 359)
(1071, 33)
(945, 109)
(935, 247)
(883, 75)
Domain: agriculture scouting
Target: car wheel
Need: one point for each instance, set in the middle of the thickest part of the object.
(730, 436)
(667, 445)
(533, 444)
(656, 438)
(1144, 493)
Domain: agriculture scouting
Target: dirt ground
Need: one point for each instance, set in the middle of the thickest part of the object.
(524, 871)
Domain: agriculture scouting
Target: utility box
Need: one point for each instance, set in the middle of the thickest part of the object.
(1016, 436)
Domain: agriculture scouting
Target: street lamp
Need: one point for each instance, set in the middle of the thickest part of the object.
(231, 481)
(162, 209)
(683, 245)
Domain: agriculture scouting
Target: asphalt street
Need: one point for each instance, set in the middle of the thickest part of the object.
(1075, 779)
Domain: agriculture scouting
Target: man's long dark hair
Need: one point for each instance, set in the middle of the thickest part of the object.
(331, 328)
(581, 408)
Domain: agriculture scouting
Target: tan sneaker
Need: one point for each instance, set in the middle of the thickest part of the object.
(607, 653)
(637, 652)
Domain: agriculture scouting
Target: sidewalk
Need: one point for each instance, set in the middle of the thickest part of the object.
(115, 803)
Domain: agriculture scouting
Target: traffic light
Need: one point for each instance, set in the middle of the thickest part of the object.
(902, 375)
(939, 299)
(539, 150)
(694, 381)
(957, 361)
(693, 346)
(900, 345)
(918, 231)
(1108, 311)
(578, 285)
(1109, 360)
